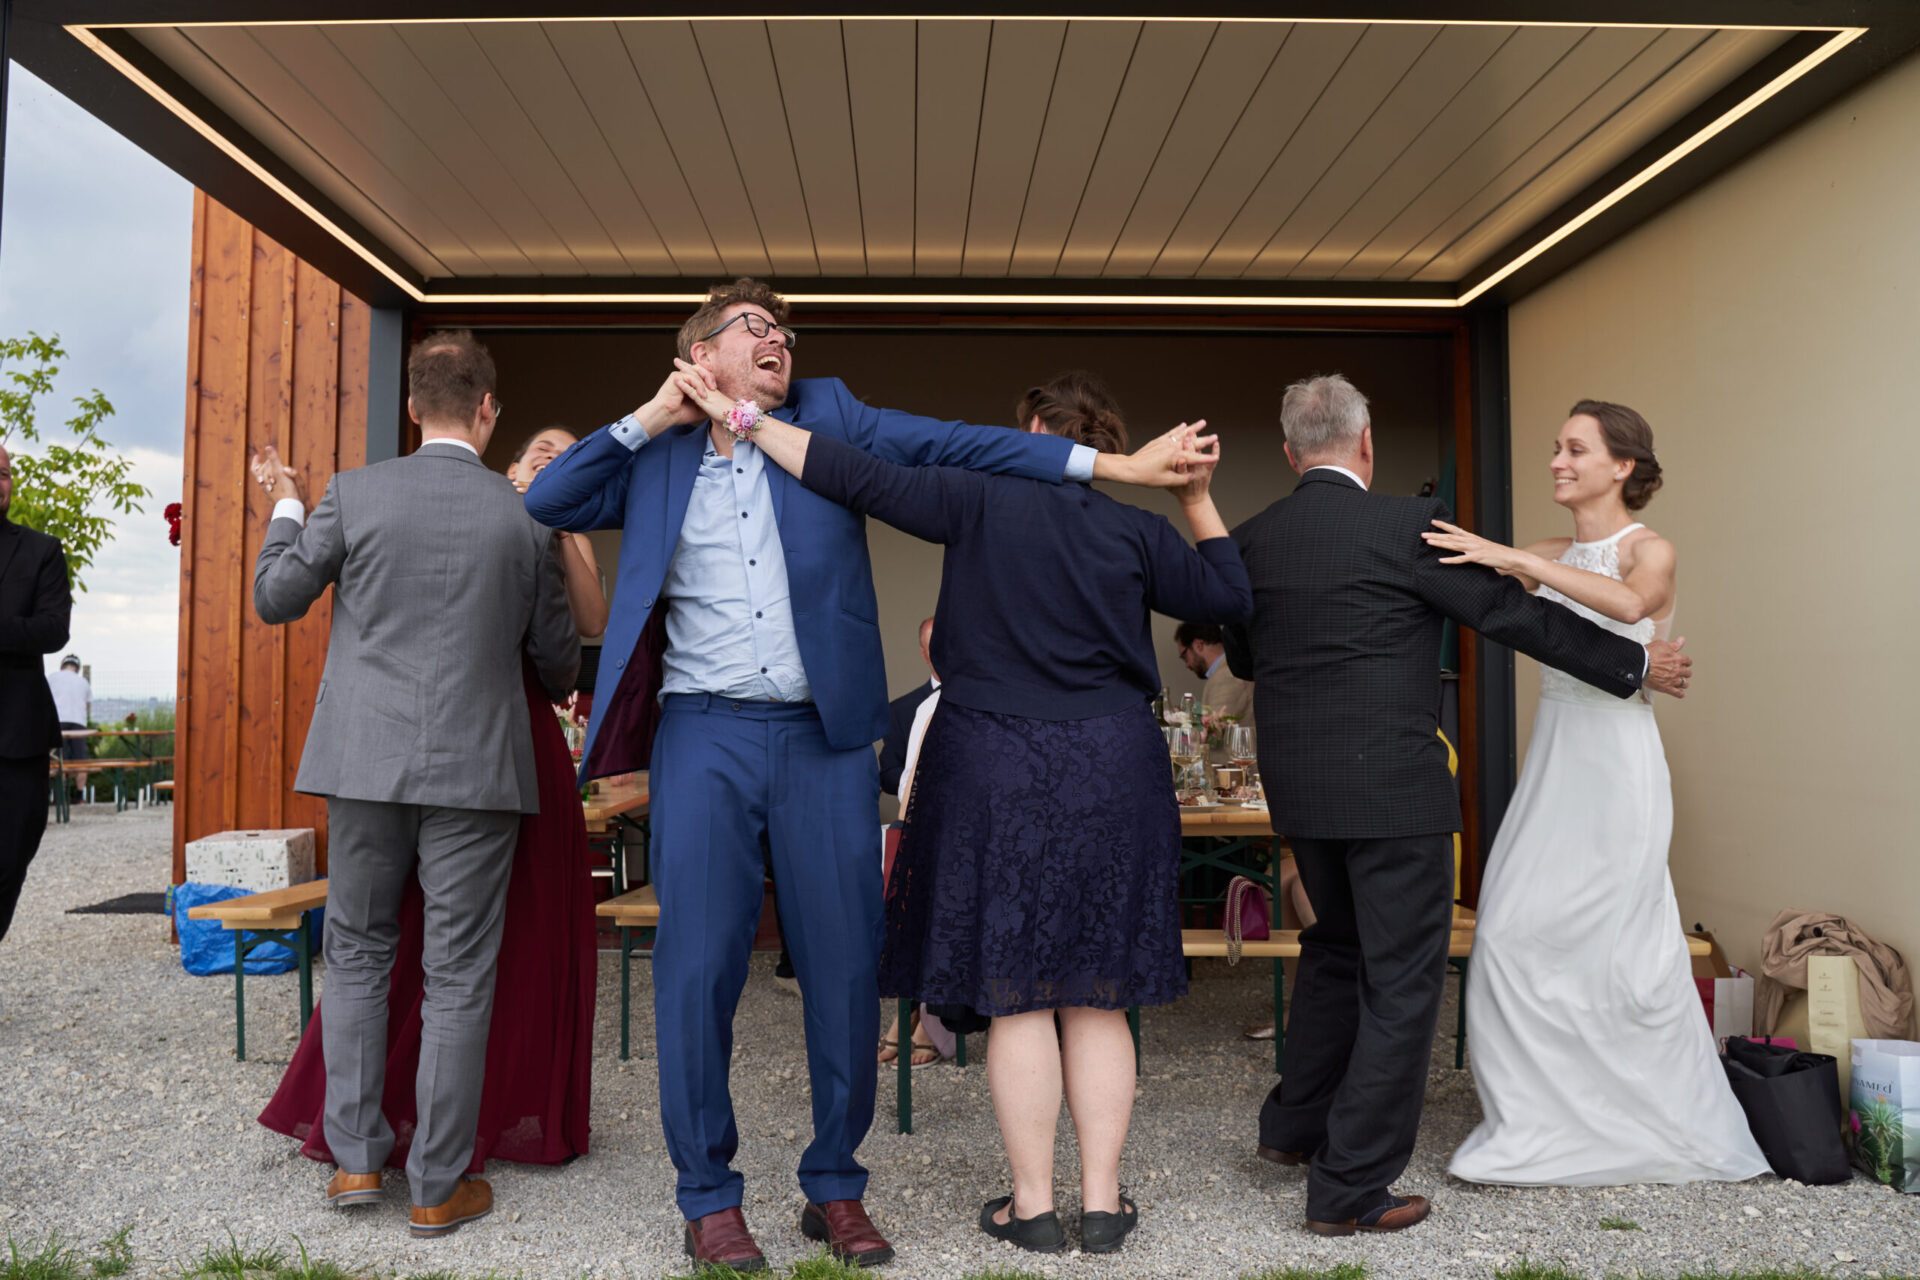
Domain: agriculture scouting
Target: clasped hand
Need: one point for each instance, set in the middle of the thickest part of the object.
(278, 479)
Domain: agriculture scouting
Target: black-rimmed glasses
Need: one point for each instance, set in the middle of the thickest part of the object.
(757, 325)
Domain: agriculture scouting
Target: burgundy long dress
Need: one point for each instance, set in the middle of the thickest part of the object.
(533, 1104)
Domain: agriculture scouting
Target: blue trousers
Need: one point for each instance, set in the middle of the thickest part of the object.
(724, 773)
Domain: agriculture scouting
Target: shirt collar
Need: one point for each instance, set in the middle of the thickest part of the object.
(1216, 665)
(1328, 466)
(934, 681)
(451, 440)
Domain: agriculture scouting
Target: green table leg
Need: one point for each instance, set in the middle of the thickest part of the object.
(240, 994)
(903, 1058)
(626, 968)
(1133, 1025)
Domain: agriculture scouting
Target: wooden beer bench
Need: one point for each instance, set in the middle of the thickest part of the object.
(637, 915)
(278, 915)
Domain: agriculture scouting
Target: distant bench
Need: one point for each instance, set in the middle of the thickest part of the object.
(278, 915)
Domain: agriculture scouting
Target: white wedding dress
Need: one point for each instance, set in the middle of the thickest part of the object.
(1591, 1051)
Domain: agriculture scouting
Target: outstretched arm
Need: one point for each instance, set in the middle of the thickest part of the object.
(1646, 592)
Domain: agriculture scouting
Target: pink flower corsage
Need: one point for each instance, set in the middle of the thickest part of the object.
(743, 418)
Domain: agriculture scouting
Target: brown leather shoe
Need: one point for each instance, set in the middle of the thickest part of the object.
(722, 1240)
(345, 1188)
(1284, 1157)
(847, 1231)
(472, 1199)
(1397, 1214)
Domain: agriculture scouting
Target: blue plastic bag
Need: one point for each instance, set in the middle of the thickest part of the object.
(206, 949)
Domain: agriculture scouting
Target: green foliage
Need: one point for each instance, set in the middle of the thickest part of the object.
(235, 1259)
(147, 719)
(1619, 1224)
(116, 1255)
(308, 1268)
(1882, 1127)
(824, 1266)
(1528, 1270)
(57, 486)
(1338, 1271)
(50, 1260)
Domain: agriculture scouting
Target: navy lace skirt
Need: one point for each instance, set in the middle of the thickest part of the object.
(1038, 868)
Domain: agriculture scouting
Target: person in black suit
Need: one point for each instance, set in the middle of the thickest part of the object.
(893, 750)
(35, 607)
(1342, 650)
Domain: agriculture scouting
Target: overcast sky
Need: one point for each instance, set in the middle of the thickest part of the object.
(95, 247)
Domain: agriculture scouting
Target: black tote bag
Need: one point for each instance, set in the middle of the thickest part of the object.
(1792, 1101)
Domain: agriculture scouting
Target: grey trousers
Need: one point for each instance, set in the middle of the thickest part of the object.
(463, 857)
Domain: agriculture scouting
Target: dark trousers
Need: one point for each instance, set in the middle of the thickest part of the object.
(23, 820)
(1365, 1002)
(725, 774)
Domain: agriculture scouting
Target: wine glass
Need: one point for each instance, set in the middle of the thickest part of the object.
(1183, 747)
(1241, 750)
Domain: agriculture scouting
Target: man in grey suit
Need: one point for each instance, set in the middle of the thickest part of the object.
(421, 745)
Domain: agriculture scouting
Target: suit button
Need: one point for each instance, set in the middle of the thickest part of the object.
(646, 604)
(621, 663)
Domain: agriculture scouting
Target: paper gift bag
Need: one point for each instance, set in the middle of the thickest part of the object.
(1886, 1111)
(1729, 1003)
(1833, 1011)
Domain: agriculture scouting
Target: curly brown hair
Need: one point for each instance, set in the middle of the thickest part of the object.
(722, 296)
(1628, 438)
(1077, 406)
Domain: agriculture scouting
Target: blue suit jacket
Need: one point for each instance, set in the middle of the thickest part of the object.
(600, 484)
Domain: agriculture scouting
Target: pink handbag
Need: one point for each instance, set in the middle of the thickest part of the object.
(1248, 918)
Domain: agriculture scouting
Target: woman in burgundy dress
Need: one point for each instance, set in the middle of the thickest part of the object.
(533, 1105)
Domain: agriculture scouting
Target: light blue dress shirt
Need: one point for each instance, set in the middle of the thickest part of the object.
(729, 615)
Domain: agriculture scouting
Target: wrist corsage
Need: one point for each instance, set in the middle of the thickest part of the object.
(744, 418)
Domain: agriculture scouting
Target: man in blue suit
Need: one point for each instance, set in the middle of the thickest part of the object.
(744, 665)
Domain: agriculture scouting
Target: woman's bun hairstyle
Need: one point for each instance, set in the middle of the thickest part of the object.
(1075, 406)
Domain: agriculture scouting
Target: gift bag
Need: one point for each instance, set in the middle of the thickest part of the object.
(1729, 1003)
(1247, 917)
(1792, 1101)
(1886, 1111)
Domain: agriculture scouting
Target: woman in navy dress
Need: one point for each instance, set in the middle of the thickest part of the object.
(1037, 872)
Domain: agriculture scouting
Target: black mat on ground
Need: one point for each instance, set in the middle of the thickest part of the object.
(129, 904)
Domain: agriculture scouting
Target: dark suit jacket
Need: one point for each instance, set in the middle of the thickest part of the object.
(1344, 650)
(893, 752)
(35, 607)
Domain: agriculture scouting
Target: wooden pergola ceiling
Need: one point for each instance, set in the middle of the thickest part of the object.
(1243, 160)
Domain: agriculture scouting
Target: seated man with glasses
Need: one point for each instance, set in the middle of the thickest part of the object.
(743, 667)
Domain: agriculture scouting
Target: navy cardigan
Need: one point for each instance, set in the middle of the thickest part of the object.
(1046, 589)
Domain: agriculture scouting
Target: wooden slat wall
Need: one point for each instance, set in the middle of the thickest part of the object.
(276, 354)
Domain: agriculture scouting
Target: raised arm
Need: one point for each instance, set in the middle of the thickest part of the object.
(1646, 590)
(296, 563)
(927, 502)
(1499, 608)
(585, 488)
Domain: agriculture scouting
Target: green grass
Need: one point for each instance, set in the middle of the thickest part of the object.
(1619, 1224)
(49, 1260)
(1338, 1271)
(824, 1266)
(116, 1255)
(235, 1259)
(1529, 1270)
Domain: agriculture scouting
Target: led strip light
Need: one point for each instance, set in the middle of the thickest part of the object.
(1840, 38)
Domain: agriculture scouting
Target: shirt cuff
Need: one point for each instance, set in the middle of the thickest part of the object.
(1646, 665)
(291, 509)
(1080, 464)
(629, 432)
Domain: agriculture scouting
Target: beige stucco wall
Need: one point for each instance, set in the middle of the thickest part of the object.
(1769, 329)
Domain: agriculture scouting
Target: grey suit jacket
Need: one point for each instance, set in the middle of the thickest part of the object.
(441, 580)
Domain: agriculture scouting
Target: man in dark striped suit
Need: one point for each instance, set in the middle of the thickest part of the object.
(1343, 651)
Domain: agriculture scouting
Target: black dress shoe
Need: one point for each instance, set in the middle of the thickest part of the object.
(1102, 1232)
(1284, 1157)
(1040, 1234)
(1397, 1214)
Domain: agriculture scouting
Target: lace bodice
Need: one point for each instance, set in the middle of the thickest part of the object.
(1595, 557)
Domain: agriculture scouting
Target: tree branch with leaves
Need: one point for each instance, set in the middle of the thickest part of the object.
(60, 487)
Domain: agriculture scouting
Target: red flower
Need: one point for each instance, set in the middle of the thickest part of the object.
(172, 517)
(172, 512)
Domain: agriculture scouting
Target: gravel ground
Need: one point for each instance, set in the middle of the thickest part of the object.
(120, 1102)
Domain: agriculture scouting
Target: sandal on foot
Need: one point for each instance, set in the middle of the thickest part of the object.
(1040, 1234)
(1102, 1232)
(889, 1051)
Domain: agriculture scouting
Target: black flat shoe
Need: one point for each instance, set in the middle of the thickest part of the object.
(1103, 1232)
(1040, 1234)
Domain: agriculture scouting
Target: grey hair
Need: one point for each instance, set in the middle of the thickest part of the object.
(1323, 414)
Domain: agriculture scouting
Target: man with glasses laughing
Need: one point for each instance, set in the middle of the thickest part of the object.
(744, 658)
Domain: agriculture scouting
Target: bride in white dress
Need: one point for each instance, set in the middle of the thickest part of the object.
(1591, 1052)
